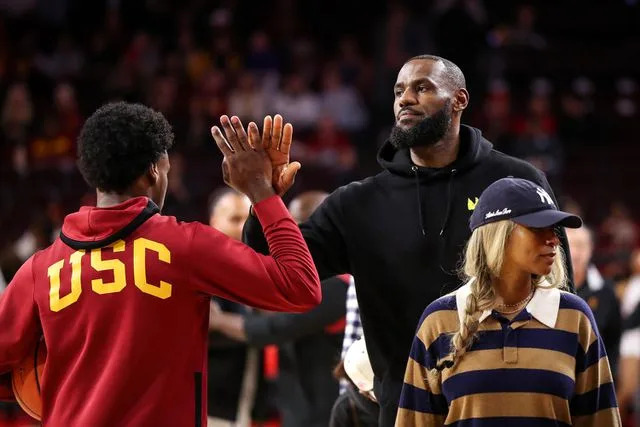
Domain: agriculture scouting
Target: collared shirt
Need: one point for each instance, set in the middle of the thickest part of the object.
(544, 304)
(546, 366)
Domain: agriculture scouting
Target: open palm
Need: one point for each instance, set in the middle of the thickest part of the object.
(276, 140)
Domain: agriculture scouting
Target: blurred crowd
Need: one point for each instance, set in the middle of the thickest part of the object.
(328, 67)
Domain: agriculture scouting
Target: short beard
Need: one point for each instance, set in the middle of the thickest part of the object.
(425, 133)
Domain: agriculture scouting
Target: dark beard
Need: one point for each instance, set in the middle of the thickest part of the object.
(427, 132)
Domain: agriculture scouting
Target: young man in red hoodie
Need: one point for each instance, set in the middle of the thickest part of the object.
(122, 296)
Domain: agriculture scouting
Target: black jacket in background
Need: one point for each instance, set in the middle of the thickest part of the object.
(352, 409)
(401, 234)
(310, 345)
(600, 296)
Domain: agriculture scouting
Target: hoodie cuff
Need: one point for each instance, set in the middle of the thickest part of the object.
(270, 211)
(257, 330)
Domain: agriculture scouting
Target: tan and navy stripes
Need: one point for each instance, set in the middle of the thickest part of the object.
(517, 373)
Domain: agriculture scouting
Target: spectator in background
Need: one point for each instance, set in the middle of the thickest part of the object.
(261, 58)
(247, 100)
(619, 230)
(536, 140)
(52, 149)
(577, 125)
(353, 66)
(629, 367)
(496, 116)
(17, 123)
(310, 342)
(232, 366)
(67, 110)
(342, 102)
(523, 33)
(297, 103)
(597, 292)
(64, 62)
(162, 95)
(357, 406)
(329, 149)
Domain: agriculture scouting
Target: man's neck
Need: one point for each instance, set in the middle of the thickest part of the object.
(105, 200)
(440, 154)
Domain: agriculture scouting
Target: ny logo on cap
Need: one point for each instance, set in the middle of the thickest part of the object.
(544, 196)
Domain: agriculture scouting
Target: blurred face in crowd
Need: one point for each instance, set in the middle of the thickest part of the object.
(230, 214)
(305, 204)
(581, 248)
(422, 104)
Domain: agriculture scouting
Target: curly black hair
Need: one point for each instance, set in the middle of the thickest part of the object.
(119, 142)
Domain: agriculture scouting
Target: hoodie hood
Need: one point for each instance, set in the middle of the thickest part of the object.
(92, 227)
(473, 148)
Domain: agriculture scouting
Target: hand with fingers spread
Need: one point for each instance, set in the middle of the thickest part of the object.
(276, 140)
(246, 167)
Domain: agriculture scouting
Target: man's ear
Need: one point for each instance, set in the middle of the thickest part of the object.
(153, 174)
(460, 100)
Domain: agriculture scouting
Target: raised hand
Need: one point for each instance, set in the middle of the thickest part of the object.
(246, 167)
(276, 140)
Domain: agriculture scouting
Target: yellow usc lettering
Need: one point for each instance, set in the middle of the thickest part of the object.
(115, 267)
(140, 247)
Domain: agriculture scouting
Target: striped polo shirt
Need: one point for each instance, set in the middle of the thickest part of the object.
(546, 367)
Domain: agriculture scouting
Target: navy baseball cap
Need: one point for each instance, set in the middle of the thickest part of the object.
(521, 201)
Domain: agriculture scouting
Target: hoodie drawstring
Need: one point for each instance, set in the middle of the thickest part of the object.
(449, 201)
(415, 174)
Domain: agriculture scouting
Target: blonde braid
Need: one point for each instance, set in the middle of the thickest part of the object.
(462, 340)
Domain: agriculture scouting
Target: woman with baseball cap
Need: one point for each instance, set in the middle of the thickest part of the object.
(510, 347)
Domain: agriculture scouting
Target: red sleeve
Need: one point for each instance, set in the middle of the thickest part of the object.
(19, 324)
(285, 281)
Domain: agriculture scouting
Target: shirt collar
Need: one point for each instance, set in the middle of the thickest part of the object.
(544, 305)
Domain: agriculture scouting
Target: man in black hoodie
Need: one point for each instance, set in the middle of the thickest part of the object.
(400, 233)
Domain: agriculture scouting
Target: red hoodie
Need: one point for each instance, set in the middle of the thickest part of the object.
(122, 299)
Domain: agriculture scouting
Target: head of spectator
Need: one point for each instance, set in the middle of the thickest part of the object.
(581, 248)
(305, 204)
(17, 109)
(228, 211)
(429, 97)
(122, 150)
(358, 368)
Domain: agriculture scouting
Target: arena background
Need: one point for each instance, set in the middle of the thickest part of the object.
(556, 83)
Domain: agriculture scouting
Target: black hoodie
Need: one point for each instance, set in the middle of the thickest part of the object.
(401, 234)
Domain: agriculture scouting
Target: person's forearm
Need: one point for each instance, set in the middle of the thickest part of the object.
(232, 325)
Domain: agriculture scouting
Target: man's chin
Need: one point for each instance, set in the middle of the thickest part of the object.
(407, 123)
